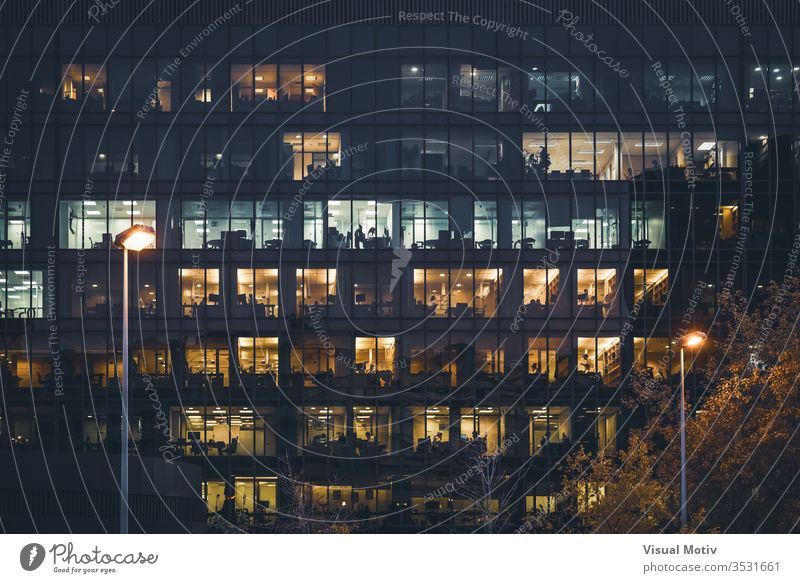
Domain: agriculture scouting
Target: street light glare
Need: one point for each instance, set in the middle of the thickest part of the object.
(694, 339)
(136, 238)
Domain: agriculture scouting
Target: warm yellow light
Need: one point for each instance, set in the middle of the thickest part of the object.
(136, 238)
(693, 339)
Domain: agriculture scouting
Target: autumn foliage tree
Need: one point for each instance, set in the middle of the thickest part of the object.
(742, 435)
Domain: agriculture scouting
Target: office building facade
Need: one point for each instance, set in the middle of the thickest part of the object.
(389, 243)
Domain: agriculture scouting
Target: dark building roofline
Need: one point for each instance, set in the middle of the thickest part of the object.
(331, 12)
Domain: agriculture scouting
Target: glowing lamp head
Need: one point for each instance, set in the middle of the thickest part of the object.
(135, 238)
(694, 339)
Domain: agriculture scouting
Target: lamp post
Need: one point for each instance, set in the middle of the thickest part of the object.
(690, 340)
(134, 238)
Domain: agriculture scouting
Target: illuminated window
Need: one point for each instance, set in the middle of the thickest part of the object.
(486, 291)
(258, 355)
(254, 497)
(265, 83)
(540, 504)
(606, 155)
(375, 356)
(163, 95)
(94, 432)
(84, 83)
(208, 363)
(657, 159)
(431, 427)
(153, 360)
(105, 368)
(330, 501)
(489, 359)
(432, 291)
(199, 288)
(528, 224)
(314, 84)
(257, 289)
(728, 221)
(305, 153)
(313, 224)
(215, 431)
(144, 280)
(423, 85)
(631, 149)
(595, 222)
(372, 429)
(21, 293)
(425, 225)
(269, 224)
(291, 83)
(543, 357)
(714, 157)
(359, 224)
(607, 428)
(600, 356)
(483, 425)
(215, 224)
(258, 85)
(650, 286)
(316, 289)
(647, 224)
(89, 224)
(197, 79)
(545, 155)
(15, 224)
(243, 87)
(325, 427)
(487, 154)
(411, 85)
(548, 426)
(540, 289)
(23, 368)
(596, 287)
(458, 293)
(589, 493)
(485, 224)
(653, 357)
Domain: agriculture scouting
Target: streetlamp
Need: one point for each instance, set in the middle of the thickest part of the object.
(134, 238)
(690, 340)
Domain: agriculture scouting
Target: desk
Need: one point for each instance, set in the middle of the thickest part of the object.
(526, 243)
(459, 310)
(273, 244)
(377, 243)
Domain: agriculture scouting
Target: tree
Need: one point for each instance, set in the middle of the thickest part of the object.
(297, 507)
(613, 493)
(742, 435)
(492, 491)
